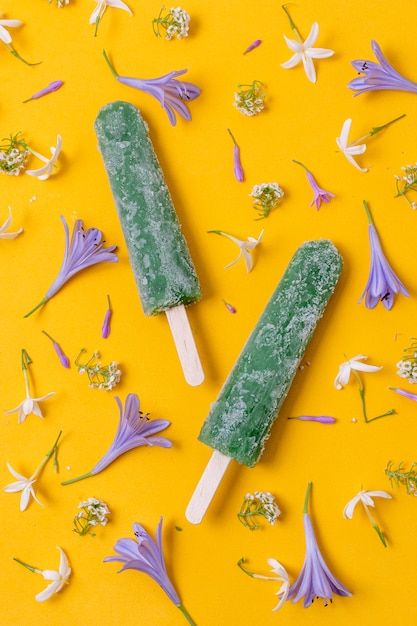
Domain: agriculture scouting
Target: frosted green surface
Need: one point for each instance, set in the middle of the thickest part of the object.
(240, 420)
(159, 256)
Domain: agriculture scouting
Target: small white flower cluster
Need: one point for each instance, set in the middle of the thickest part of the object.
(408, 181)
(13, 161)
(267, 196)
(93, 512)
(250, 101)
(176, 23)
(60, 3)
(261, 503)
(407, 366)
(103, 377)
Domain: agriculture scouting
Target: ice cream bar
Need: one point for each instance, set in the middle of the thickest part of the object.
(159, 255)
(240, 420)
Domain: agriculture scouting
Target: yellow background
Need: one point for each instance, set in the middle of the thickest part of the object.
(300, 121)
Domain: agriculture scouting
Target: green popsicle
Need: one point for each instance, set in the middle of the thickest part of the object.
(158, 253)
(240, 420)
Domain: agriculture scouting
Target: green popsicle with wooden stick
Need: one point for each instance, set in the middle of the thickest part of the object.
(159, 255)
(240, 420)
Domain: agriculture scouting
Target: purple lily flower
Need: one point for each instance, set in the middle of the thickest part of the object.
(145, 555)
(320, 194)
(171, 93)
(382, 282)
(403, 392)
(135, 429)
(377, 77)
(64, 360)
(315, 579)
(84, 249)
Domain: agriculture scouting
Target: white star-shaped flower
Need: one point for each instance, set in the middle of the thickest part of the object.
(366, 498)
(5, 226)
(346, 368)
(245, 247)
(46, 170)
(305, 52)
(101, 7)
(23, 484)
(59, 578)
(351, 149)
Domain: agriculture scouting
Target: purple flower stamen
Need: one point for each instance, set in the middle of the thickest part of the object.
(377, 77)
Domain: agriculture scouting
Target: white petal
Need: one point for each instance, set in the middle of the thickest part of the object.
(363, 367)
(349, 508)
(352, 160)
(319, 53)
(309, 68)
(343, 376)
(14, 473)
(295, 59)
(248, 260)
(118, 4)
(379, 494)
(294, 45)
(342, 141)
(17, 408)
(312, 36)
(48, 592)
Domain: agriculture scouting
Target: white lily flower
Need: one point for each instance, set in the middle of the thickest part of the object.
(366, 498)
(5, 226)
(23, 484)
(352, 149)
(44, 172)
(245, 247)
(59, 578)
(28, 405)
(305, 52)
(345, 370)
(101, 7)
(4, 34)
(281, 576)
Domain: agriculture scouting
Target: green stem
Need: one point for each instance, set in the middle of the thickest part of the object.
(186, 614)
(240, 564)
(293, 26)
(17, 55)
(113, 71)
(233, 139)
(307, 498)
(368, 212)
(376, 129)
(74, 480)
(361, 394)
(377, 417)
(29, 567)
(302, 165)
(375, 526)
(38, 306)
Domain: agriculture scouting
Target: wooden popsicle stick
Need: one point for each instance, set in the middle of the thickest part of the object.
(207, 486)
(185, 345)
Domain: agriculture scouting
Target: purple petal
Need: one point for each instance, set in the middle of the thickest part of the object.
(406, 394)
(322, 419)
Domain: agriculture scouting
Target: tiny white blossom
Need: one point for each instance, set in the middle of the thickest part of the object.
(245, 247)
(44, 172)
(267, 196)
(250, 101)
(3, 229)
(305, 52)
(345, 370)
(176, 23)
